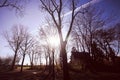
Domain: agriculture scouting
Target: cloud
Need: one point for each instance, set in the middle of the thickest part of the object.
(83, 6)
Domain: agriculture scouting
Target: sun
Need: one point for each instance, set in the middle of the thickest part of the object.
(54, 41)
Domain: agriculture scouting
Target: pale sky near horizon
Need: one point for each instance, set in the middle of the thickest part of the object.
(33, 18)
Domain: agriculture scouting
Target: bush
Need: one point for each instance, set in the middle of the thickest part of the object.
(5, 63)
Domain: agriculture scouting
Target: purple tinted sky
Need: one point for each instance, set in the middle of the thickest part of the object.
(8, 18)
(33, 18)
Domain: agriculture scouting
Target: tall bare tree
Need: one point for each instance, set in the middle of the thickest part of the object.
(15, 40)
(46, 34)
(89, 27)
(106, 41)
(34, 50)
(86, 26)
(55, 9)
(25, 46)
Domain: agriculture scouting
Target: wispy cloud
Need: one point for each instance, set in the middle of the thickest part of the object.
(83, 6)
(77, 9)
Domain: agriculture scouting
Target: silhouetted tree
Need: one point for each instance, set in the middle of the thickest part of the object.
(86, 26)
(117, 28)
(32, 51)
(105, 39)
(26, 45)
(55, 10)
(15, 40)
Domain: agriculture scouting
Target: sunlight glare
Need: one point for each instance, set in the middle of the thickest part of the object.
(54, 41)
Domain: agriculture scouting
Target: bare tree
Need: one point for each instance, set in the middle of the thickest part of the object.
(17, 5)
(55, 9)
(15, 40)
(32, 52)
(47, 35)
(89, 27)
(106, 41)
(25, 46)
(117, 27)
(86, 26)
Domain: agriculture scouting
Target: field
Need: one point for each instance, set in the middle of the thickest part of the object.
(40, 75)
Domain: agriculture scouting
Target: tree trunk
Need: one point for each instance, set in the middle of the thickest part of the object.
(22, 63)
(13, 62)
(31, 65)
(53, 72)
(66, 75)
(32, 61)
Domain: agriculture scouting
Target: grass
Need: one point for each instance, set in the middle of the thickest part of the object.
(24, 68)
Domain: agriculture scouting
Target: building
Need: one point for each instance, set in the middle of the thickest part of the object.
(79, 60)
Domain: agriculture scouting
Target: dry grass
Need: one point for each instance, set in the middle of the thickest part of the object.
(24, 68)
(37, 75)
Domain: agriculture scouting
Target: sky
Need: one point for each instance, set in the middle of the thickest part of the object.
(33, 18)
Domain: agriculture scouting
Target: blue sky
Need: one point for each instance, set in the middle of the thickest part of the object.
(33, 18)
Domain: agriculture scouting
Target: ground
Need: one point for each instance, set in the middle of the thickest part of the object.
(36, 75)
